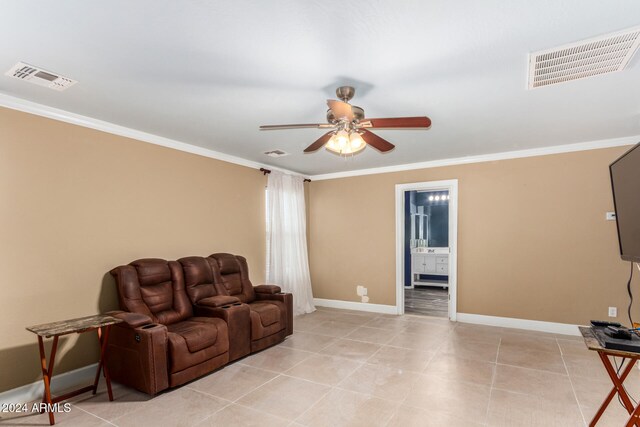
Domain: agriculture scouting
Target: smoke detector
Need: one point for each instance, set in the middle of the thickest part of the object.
(276, 153)
(40, 76)
(587, 58)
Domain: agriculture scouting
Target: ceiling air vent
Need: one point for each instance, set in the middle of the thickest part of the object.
(276, 153)
(40, 77)
(587, 58)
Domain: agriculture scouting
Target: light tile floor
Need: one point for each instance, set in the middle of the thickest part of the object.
(345, 368)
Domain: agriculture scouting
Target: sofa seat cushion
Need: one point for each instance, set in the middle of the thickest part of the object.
(197, 335)
(196, 340)
(267, 318)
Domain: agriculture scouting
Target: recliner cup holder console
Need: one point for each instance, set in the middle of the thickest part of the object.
(151, 325)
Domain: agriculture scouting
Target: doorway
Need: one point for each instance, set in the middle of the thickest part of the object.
(426, 248)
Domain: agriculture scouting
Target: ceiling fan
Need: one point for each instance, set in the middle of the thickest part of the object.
(349, 129)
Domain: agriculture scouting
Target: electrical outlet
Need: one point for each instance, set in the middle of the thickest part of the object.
(610, 216)
(613, 311)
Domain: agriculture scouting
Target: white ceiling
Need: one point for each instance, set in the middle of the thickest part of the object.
(208, 73)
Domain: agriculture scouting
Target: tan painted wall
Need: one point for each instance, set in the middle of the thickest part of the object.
(75, 203)
(532, 239)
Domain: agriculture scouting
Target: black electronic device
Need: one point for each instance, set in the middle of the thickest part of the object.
(631, 345)
(625, 184)
(617, 332)
(604, 323)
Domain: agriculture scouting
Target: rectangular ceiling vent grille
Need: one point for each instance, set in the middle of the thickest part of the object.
(40, 76)
(276, 153)
(587, 58)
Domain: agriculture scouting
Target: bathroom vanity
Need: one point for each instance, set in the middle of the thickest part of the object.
(431, 261)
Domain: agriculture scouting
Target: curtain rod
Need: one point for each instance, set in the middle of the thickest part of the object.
(267, 171)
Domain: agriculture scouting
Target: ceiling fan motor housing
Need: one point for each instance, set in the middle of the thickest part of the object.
(345, 93)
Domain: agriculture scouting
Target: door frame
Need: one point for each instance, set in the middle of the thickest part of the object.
(452, 186)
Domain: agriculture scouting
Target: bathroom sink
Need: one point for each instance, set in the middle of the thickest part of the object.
(430, 250)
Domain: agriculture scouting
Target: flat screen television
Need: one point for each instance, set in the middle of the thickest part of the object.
(625, 183)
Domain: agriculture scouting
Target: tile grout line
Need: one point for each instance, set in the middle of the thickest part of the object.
(94, 415)
(295, 420)
(532, 369)
(573, 389)
(493, 379)
(226, 402)
(262, 412)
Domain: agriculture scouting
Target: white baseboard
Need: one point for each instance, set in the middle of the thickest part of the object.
(359, 306)
(530, 325)
(30, 392)
(478, 319)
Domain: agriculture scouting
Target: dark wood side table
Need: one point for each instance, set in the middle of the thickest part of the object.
(102, 323)
(617, 378)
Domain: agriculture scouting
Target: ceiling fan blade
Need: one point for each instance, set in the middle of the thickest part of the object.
(340, 109)
(319, 143)
(300, 126)
(398, 122)
(376, 142)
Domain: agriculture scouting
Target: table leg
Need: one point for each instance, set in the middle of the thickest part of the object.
(617, 389)
(103, 339)
(97, 379)
(107, 378)
(633, 419)
(47, 373)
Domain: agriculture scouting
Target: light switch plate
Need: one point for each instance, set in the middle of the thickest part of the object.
(611, 216)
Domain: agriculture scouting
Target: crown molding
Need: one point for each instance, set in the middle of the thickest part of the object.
(533, 152)
(42, 110)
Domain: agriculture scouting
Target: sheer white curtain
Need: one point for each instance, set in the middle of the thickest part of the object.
(287, 258)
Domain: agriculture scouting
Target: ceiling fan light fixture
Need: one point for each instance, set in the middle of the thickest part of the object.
(345, 143)
(357, 143)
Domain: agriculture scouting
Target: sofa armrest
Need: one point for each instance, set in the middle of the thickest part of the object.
(267, 289)
(138, 356)
(131, 320)
(218, 301)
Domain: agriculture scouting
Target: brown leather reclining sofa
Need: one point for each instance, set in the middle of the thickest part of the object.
(186, 318)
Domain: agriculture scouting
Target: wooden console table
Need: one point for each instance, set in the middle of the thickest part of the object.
(616, 377)
(65, 327)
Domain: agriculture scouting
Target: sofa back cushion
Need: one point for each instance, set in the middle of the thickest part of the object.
(199, 278)
(232, 275)
(154, 287)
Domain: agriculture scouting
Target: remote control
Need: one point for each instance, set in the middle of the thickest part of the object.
(604, 323)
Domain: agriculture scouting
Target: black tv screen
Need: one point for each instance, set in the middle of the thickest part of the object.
(625, 183)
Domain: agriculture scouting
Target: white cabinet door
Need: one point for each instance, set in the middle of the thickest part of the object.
(430, 264)
(417, 263)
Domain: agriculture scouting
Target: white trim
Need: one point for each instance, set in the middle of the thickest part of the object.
(353, 305)
(452, 186)
(30, 392)
(509, 322)
(112, 128)
(20, 104)
(543, 151)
